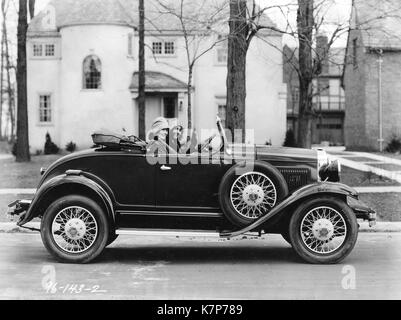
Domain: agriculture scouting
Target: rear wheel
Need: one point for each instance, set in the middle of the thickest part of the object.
(323, 230)
(74, 229)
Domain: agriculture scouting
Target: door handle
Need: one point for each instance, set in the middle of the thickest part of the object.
(165, 168)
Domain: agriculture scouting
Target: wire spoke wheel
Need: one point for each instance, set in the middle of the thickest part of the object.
(74, 229)
(323, 230)
(253, 194)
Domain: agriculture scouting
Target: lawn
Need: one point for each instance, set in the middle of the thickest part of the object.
(356, 178)
(21, 174)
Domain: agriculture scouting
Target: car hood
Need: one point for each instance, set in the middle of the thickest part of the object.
(269, 153)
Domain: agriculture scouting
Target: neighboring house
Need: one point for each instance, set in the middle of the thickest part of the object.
(372, 75)
(83, 74)
(328, 99)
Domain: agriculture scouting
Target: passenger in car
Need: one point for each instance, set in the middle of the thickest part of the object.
(180, 142)
(159, 131)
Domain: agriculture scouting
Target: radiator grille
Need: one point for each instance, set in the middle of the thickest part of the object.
(295, 177)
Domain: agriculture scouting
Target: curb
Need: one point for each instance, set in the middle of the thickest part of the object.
(381, 226)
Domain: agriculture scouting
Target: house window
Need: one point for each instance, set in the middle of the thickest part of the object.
(163, 48)
(222, 113)
(45, 109)
(92, 73)
(157, 47)
(49, 50)
(37, 50)
(169, 47)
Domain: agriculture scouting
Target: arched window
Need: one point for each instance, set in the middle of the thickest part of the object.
(92, 73)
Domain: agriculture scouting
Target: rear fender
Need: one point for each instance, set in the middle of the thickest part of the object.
(72, 178)
(316, 190)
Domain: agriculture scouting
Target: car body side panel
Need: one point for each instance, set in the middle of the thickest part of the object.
(130, 177)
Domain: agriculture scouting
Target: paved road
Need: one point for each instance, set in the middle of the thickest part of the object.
(169, 268)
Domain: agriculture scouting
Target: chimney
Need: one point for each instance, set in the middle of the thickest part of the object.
(322, 52)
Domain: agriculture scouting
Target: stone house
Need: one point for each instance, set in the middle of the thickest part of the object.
(372, 75)
(83, 64)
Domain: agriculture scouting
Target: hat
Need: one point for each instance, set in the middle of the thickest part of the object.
(159, 123)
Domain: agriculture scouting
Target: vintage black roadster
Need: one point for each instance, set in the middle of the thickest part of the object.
(86, 199)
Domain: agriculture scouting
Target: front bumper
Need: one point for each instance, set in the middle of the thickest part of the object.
(362, 211)
(18, 207)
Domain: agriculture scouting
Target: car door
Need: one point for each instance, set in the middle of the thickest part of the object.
(189, 184)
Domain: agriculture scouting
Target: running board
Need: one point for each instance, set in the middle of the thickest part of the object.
(169, 233)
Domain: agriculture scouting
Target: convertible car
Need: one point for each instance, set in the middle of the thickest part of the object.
(86, 199)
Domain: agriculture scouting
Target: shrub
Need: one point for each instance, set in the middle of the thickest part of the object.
(289, 139)
(14, 149)
(394, 144)
(70, 146)
(50, 147)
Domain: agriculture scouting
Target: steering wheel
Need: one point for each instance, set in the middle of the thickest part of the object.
(222, 132)
(206, 144)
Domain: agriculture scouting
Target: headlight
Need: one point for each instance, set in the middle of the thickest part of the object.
(322, 160)
(328, 170)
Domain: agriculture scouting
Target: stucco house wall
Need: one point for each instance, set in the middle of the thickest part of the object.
(78, 112)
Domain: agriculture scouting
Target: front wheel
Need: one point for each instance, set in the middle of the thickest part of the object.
(323, 230)
(74, 229)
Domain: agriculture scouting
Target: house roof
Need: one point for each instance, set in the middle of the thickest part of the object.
(157, 81)
(379, 23)
(198, 14)
(78, 12)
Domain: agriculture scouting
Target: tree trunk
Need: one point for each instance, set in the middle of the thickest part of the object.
(22, 111)
(305, 22)
(1, 76)
(236, 68)
(189, 90)
(141, 75)
(10, 90)
(31, 9)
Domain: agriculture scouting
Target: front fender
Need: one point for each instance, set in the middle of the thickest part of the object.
(317, 189)
(71, 177)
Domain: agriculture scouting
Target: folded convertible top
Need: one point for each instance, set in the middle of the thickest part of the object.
(114, 140)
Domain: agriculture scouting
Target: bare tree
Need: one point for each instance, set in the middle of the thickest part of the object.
(22, 152)
(198, 21)
(305, 24)
(311, 21)
(6, 67)
(246, 20)
(141, 75)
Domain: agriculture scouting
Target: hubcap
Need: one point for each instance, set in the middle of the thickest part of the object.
(74, 229)
(323, 230)
(253, 194)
